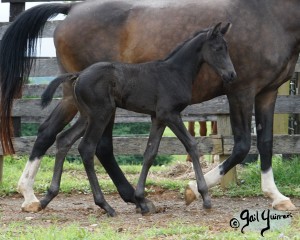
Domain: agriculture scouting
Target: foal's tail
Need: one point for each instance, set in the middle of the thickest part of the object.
(18, 45)
(47, 95)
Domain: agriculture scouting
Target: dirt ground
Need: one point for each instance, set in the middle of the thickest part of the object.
(170, 205)
(80, 208)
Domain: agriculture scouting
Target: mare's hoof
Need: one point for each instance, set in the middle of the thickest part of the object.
(189, 196)
(151, 209)
(32, 207)
(285, 205)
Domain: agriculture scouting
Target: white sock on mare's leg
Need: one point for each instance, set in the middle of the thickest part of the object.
(212, 178)
(25, 184)
(270, 189)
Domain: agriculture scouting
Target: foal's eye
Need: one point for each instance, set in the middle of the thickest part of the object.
(219, 49)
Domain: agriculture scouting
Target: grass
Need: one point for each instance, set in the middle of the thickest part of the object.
(105, 231)
(287, 175)
(74, 177)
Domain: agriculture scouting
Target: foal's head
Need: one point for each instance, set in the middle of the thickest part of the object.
(215, 52)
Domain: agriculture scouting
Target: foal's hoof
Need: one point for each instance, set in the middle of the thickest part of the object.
(31, 207)
(285, 205)
(189, 195)
(112, 214)
(207, 205)
(149, 208)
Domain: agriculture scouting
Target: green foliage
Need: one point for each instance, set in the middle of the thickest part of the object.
(29, 129)
(121, 129)
(138, 160)
(23, 231)
(178, 229)
(286, 175)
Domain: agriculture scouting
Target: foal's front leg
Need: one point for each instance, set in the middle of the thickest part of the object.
(174, 122)
(156, 132)
(97, 123)
(87, 149)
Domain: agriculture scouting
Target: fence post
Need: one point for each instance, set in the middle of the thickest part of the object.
(224, 129)
(15, 8)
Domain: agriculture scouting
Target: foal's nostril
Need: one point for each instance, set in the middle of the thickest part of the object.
(232, 76)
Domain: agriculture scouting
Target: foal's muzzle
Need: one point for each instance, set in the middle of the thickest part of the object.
(229, 77)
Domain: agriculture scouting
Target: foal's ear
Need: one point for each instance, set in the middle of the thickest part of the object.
(212, 33)
(226, 29)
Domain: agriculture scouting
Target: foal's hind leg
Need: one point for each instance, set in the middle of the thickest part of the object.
(60, 116)
(105, 154)
(174, 122)
(64, 142)
(87, 148)
(156, 132)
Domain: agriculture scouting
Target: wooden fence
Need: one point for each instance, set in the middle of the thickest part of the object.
(28, 110)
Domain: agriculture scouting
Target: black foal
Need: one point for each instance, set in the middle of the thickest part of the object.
(161, 89)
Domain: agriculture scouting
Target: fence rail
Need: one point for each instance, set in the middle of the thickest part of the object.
(30, 111)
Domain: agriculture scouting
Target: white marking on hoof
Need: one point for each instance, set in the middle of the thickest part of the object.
(31, 207)
(269, 188)
(212, 178)
(25, 186)
(285, 205)
(190, 193)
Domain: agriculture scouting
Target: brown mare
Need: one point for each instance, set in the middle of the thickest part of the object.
(264, 46)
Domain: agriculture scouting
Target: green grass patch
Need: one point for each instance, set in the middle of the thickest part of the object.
(286, 173)
(105, 231)
(23, 231)
(287, 177)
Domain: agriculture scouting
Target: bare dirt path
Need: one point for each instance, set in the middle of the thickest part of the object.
(80, 208)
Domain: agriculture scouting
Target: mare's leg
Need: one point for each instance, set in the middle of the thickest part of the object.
(156, 132)
(191, 129)
(264, 109)
(58, 119)
(203, 128)
(202, 132)
(214, 128)
(64, 142)
(87, 148)
(240, 116)
(214, 131)
(175, 123)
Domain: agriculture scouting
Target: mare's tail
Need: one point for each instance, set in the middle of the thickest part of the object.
(47, 95)
(18, 45)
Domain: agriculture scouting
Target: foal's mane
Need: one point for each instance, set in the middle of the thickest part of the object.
(184, 42)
